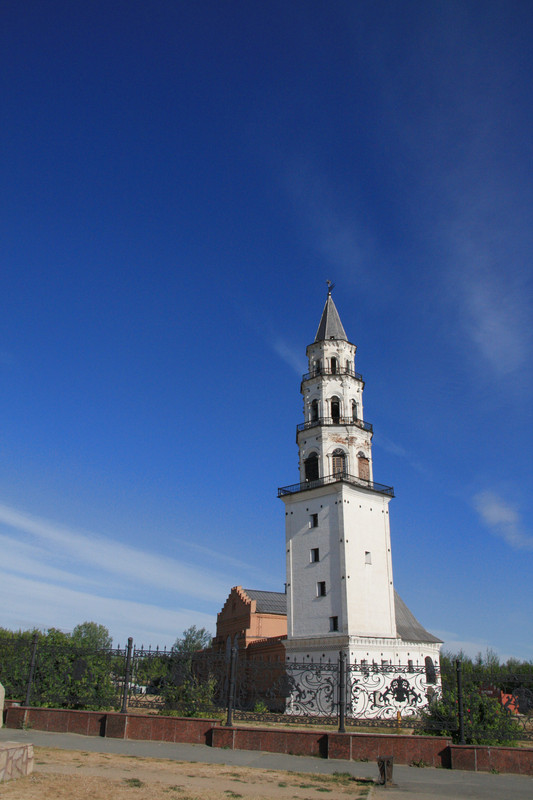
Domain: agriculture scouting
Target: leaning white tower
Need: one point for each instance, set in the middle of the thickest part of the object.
(340, 591)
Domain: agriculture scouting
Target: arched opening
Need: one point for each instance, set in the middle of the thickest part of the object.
(431, 674)
(311, 467)
(314, 411)
(334, 366)
(335, 410)
(338, 462)
(363, 466)
(354, 411)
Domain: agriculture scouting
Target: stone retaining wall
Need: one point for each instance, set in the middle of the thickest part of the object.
(485, 758)
(420, 750)
(16, 760)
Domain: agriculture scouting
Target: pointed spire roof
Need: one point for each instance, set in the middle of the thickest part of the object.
(330, 324)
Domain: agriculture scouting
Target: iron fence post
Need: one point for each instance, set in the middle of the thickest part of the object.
(32, 667)
(127, 674)
(342, 691)
(231, 687)
(460, 708)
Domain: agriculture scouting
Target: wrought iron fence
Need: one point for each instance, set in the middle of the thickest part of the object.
(468, 703)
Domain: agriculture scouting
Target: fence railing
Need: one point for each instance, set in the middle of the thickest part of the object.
(471, 704)
(335, 478)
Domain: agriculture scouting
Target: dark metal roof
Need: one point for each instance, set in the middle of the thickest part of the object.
(268, 602)
(408, 628)
(330, 324)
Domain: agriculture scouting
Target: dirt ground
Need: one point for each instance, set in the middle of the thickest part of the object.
(78, 775)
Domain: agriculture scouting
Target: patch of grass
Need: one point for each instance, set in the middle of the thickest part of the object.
(232, 794)
(323, 789)
(419, 763)
(135, 783)
(282, 784)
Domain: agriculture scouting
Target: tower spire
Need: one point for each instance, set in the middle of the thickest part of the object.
(330, 326)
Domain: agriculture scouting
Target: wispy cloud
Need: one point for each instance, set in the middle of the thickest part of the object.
(289, 355)
(503, 520)
(454, 645)
(491, 290)
(28, 603)
(397, 450)
(56, 576)
(345, 244)
(79, 553)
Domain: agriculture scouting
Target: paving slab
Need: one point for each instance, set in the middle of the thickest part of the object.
(412, 783)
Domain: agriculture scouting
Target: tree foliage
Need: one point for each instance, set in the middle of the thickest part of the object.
(485, 719)
(192, 640)
(69, 671)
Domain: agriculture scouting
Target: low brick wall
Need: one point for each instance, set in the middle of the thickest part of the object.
(60, 720)
(272, 740)
(432, 750)
(406, 749)
(160, 729)
(484, 758)
(112, 724)
(16, 760)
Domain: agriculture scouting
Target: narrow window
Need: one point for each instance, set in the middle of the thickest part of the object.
(321, 589)
(333, 366)
(410, 666)
(354, 411)
(313, 521)
(311, 467)
(334, 623)
(314, 411)
(364, 467)
(338, 464)
(315, 555)
(335, 410)
(368, 557)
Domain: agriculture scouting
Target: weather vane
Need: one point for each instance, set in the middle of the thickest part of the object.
(331, 286)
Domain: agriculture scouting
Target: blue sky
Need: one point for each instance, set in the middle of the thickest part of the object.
(178, 182)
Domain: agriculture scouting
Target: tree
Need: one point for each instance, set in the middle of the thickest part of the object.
(92, 636)
(188, 687)
(485, 719)
(193, 639)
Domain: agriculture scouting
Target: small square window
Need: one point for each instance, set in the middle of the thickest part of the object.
(368, 557)
(321, 589)
(313, 522)
(334, 623)
(315, 555)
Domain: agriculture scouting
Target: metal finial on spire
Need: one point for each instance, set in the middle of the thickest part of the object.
(331, 286)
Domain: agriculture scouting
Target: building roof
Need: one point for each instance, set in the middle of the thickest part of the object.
(408, 628)
(268, 602)
(330, 323)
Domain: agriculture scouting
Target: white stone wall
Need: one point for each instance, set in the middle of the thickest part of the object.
(353, 542)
